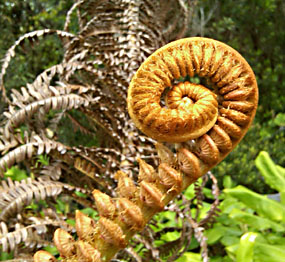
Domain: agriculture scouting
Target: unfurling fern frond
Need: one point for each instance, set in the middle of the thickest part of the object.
(114, 39)
(215, 117)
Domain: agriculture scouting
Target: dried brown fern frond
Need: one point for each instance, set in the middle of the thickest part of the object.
(60, 102)
(37, 146)
(32, 36)
(15, 195)
(33, 236)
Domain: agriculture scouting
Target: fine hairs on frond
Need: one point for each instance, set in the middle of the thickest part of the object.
(192, 112)
(120, 59)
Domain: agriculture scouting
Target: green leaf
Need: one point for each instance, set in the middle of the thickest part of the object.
(71, 222)
(6, 256)
(245, 250)
(170, 236)
(256, 222)
(261, 204)
(270, 172)
(214, 234)
(268, 253)
(231, 251)
(189, 256)
(16, 174)
(230, 240)
(280, 119)
(282, 198)
(60, 206)
(281, 170)
(229, 204)
(194, 243)
(218, 231)
(275, 239)
(80, 194)
(90, 212)
(189, 192)
(43, 159)
(51, 249)
(227, 182)
(220, 259)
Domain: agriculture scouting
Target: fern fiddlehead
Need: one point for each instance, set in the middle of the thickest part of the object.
(214, 115)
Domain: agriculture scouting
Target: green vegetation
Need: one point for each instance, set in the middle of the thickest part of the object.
(250, 226)
(256, 29)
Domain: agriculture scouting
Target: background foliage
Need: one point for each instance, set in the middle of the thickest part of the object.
(253, 27)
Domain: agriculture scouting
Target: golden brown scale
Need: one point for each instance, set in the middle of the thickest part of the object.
(215, 117)
(111, 232)
(87, 253)
(126, 187)
(151, 196)
(64, 242)
(130, 214)
(170, 178)
(104, 204)
(85, 226)
(44, 256)
(189, 163)
(147, 172)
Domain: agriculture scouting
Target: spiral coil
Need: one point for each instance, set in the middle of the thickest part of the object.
(192, 110)
(215, 116)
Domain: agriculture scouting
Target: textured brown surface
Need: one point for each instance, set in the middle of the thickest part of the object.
(191, 110)
(215, 117)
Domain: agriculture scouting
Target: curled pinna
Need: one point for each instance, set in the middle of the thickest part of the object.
(169, 109)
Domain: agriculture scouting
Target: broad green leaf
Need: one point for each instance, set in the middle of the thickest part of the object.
(6, 256)
(70, 222)
(170, 236)
(193, 244)
(261, 204)
(16, 174)
(275, 239)
(217, 232)
(208, 193)
(190, 257)
(229, 240)
(270, 172)
(231, 251)
(90, 212)
(220, 259)
(282, 198)
(227, 182)
(204, 210)
(60, 206)
(280, 119)
(229, 204)
(214, 234)
(281, 170)
(256, 222)
(246, 245)
(268, 253)
(189, 193)
(51, 249)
